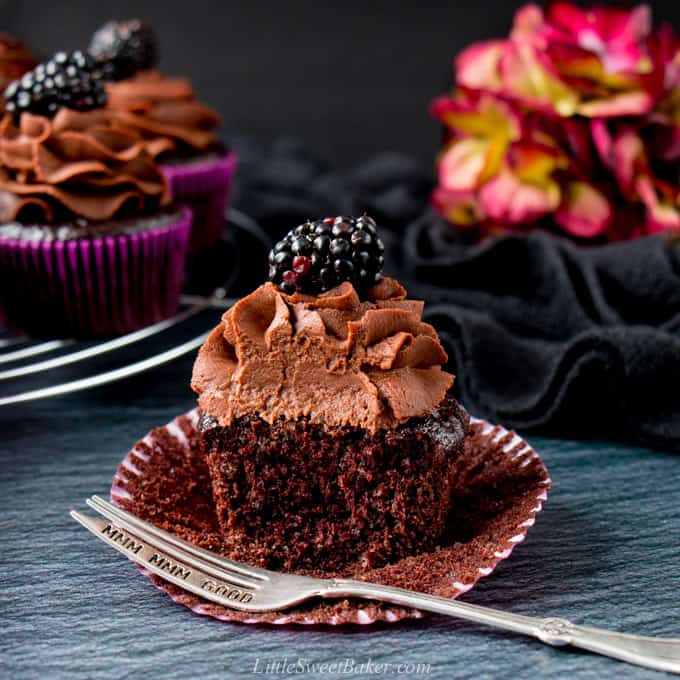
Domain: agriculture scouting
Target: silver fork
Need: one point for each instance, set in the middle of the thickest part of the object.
(240, 586)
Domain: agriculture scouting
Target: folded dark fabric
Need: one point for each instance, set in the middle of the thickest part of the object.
(286, 184)
(543, 334)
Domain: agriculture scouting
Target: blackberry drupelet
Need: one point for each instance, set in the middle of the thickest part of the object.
(69, 80)
(123, 48)
(317, 256)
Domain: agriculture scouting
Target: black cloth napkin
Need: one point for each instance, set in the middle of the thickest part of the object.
(542, 334)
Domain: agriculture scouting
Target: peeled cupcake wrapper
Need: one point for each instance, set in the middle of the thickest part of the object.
(511, 476)
(204, 186)
(94, 287)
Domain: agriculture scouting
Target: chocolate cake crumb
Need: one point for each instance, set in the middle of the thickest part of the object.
(294, 494)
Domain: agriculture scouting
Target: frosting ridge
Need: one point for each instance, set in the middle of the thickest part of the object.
(165, 112)
(332, 358)
(79, 164)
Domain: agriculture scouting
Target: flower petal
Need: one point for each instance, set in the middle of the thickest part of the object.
(584, 212)
(628, 157)
(486, 117)
(527, 76)
(462, 166)
(459, 208)
(507, 200)
(477, 66)
(529, 23)
(602, 139)
(661, 214)
(624, 104)
(534, 163)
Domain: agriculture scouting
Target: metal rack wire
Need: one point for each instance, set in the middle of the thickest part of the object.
(22, 358)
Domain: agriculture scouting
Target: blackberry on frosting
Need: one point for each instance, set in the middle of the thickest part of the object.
(68, 80)
(317, 256)
(124, 48)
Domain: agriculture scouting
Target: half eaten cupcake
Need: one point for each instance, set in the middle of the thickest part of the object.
(327, 419)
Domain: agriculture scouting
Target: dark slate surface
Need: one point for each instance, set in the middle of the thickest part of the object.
(604, 551)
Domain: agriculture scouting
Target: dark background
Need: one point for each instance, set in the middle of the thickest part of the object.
(347, 78)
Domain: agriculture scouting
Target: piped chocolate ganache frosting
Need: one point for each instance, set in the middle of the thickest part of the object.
(165, 112)
(333, 359)
(78, 165)
(343, 356)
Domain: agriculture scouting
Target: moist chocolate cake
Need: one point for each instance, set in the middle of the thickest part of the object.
(328, 425)
(295, 494)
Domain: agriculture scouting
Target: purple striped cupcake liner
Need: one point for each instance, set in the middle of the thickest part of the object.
(500, 479)
(204, 186)
(94, 287)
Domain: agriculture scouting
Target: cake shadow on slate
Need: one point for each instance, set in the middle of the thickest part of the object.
(327, 421)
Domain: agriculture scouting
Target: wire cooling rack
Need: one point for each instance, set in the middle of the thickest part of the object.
(28, 367)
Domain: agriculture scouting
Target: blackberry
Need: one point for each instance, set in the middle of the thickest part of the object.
(68, 80)
(123, 48)
(317, 256)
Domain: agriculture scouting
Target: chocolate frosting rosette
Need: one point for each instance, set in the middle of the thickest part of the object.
(89, 243)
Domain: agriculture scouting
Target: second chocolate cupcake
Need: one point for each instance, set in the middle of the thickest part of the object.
(90, 244)
(180, 132)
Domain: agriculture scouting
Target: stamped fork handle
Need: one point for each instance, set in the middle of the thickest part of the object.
(658, 653)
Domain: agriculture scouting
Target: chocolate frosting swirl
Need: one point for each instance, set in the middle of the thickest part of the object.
(83, 165)
(15, 60)
(333, 359)
(164, 111)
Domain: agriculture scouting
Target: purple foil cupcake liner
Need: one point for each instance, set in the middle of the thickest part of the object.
(94, 287)
(204, 186)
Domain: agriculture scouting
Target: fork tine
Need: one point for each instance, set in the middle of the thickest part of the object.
(99, 504)
(175, 548)
(223, 562)
(196, 579)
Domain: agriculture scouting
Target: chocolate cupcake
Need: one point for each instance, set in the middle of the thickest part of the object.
(90, 245)
(180, 132)
(327, 421)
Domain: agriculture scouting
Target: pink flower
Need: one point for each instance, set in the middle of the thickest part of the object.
(572, 121)
(617, 37)
(584, 212)
(623, 151)
(595, 62)
(518, 71)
